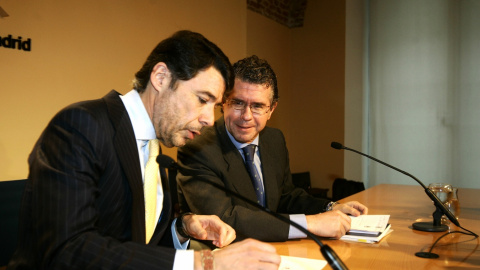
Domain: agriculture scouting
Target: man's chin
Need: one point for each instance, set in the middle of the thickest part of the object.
(168, 142)
(244, 139)
(179, 142)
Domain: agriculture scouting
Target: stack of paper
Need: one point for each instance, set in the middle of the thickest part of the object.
(368, 228)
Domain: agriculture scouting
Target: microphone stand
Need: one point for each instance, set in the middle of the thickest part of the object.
(440, 208)
(328, 253)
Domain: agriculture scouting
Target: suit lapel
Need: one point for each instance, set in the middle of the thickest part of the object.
(269, 167)
(239, 177)
(125, 145)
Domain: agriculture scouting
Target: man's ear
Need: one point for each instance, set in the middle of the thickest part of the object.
(160, 76)
(272, 108)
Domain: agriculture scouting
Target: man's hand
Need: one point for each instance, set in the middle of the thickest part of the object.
(247, 254)
(353, 208)
(335, 223)
(329, 224)
(205, 227)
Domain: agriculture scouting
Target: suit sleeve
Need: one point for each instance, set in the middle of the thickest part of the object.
(72, 166)
(293, 200)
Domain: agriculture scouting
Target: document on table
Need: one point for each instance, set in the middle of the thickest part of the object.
(369, 224)
(368, 228)
(366, 238)
(297, 263)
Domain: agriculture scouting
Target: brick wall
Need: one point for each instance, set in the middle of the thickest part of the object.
(287, 12)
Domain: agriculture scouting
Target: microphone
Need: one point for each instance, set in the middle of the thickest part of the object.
(331, 257)
(440, 207)
(436, 226)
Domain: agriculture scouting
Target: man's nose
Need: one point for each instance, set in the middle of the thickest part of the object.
(247, 113)
(207, 117)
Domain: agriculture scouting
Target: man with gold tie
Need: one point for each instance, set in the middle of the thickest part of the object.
(96, 198)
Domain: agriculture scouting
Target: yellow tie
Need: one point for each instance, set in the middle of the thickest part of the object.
(150, 189)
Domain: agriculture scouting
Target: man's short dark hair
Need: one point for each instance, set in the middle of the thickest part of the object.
(185, 53)
(255, 70)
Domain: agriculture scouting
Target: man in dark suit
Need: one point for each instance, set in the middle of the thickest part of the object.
(84, 205)
(218, 155)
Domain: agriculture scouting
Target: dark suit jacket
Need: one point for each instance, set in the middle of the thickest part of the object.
(83, 205)
(214, 157)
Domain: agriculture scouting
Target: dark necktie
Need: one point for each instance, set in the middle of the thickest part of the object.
(249, 153)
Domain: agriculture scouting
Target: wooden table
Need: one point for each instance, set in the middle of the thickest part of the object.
(405, 205)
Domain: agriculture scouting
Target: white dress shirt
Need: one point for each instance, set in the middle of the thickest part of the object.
(144, 131)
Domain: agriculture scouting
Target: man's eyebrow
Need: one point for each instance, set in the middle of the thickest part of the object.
(255, 103)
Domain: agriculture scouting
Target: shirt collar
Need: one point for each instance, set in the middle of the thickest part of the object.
(141, 122)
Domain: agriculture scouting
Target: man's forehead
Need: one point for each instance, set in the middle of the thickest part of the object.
(241, 87)
(210, 83)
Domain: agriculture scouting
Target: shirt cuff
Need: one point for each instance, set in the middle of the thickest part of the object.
(183, 259)
(176, 241)
(295, 233)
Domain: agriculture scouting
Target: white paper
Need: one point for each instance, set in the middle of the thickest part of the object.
(297, 263)
(372, 223)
